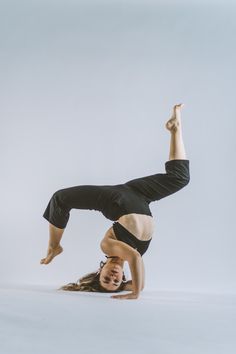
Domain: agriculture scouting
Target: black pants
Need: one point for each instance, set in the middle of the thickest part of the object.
(114, 201)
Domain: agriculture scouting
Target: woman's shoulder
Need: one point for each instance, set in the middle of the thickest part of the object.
(110, 234)
(113, 247)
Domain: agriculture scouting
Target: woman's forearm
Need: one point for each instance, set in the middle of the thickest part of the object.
(136, 284)
(128, 286)
(136, 272)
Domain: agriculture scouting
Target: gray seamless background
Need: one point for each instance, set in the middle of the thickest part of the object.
(86, 89)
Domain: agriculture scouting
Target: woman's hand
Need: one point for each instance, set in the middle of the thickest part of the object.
(126, 296)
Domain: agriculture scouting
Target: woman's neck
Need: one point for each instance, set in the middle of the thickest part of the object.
(113, 259)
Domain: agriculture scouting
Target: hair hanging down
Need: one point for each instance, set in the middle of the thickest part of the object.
(90, 282)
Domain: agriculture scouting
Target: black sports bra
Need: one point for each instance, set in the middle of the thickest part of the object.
(122, 234)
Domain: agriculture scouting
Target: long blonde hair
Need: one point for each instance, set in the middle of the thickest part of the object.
(90, 282)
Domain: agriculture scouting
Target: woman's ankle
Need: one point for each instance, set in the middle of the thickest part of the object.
(54, 245)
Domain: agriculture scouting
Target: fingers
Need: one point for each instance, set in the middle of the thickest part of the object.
(118, 296)
(115, 297)
(126, 296)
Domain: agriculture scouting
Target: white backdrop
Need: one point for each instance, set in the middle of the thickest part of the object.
(86, 89)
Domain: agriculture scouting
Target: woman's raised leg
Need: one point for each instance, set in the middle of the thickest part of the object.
(177, 149)
(160, 185)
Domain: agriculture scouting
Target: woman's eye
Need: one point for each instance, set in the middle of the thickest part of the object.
(106, 280)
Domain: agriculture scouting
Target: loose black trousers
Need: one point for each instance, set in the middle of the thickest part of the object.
(114, 201)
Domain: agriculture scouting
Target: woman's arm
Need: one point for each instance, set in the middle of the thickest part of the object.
(136, 286)
(117, 248)
(135, 265)
(129, 285)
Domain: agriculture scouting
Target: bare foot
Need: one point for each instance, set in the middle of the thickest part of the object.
(52, 252)
(175, 121)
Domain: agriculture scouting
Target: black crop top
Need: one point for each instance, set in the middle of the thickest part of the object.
(122, 234)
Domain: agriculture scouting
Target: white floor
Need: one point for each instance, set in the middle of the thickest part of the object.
(39, 319)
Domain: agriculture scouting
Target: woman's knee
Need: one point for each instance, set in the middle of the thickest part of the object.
(60, 195)
(185, 181)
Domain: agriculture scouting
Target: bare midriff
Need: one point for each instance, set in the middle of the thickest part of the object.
(140, 225)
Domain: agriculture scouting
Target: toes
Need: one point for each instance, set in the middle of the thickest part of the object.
(177, 106)
(51, 255)
(48, 259)
(45, 260)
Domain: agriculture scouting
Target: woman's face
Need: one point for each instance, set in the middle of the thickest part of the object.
(111, 276)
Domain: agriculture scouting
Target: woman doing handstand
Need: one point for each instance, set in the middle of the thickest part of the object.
(127, 205)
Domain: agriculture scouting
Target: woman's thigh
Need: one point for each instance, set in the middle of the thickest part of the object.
(160, 185)
(62, 201)
(79, 197)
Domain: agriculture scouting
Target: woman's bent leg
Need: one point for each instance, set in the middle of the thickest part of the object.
(63, 200)
(58, 209)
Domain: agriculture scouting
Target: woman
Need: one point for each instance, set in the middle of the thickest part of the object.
(128, 206)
